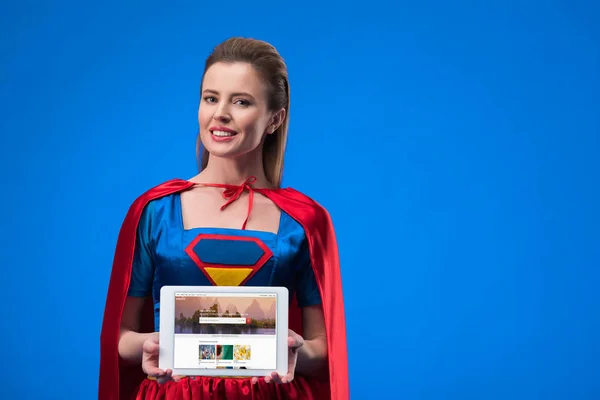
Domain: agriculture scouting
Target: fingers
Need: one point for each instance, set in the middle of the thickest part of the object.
(156, 372)
(276, 378)
(164, 378)
(287, 378)
(295, 341)
(152, 371)
(150, 349)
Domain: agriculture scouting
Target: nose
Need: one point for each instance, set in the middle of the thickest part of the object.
(222, 114)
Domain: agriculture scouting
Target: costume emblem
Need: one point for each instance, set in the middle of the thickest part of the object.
(228, 260)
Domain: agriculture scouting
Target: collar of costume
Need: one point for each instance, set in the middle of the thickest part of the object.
(233, 192)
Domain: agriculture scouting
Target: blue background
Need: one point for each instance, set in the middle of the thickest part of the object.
(454, 143)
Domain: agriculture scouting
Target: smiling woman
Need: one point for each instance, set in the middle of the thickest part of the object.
(243, 121)
(235, 111)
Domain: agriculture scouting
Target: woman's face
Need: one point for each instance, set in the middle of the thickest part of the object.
(233, 113)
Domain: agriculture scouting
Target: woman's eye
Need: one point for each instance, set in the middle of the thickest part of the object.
(242, 102)
(210, 99)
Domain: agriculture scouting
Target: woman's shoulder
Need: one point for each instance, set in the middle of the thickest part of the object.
(162, 190)
(303, 208)
(175, 185)
(158, 197)
(296, 198)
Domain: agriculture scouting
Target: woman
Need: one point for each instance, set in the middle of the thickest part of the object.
(243, 119)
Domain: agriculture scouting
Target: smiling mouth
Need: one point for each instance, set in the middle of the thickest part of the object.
(223, 133)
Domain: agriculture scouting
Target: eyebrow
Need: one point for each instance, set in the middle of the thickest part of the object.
(233, 94)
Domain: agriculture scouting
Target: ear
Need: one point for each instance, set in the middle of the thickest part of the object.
(276, 121)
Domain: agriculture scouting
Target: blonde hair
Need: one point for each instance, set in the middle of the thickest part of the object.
(272, 68)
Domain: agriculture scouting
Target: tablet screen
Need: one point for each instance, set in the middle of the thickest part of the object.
(225, 330)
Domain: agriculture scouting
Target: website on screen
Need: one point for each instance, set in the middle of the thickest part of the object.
(225, 330)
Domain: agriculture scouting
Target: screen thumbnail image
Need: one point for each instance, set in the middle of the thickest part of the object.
(207, 352)
(224, 352)
(241, 352)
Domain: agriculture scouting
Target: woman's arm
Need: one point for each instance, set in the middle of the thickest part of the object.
(139, 291)
(312, 356)
(130, 341)
(140, 348)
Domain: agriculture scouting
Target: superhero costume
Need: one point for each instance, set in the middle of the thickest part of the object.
(301, 218)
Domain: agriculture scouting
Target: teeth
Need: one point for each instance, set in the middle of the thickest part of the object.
(222, 134)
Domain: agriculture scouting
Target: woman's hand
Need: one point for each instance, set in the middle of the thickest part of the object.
(150, 360)
(295, 342)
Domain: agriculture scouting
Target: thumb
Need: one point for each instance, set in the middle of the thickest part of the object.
(150, 346)
(295, 342)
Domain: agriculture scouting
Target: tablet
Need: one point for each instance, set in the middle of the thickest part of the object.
(223, 330)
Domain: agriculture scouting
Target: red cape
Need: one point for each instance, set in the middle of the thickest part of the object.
(119, 381)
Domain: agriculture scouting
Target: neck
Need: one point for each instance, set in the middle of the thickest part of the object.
(234, 171)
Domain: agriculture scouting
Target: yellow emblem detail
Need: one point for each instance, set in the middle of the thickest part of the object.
(228, 276)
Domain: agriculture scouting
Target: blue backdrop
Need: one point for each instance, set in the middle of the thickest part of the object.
(455, 145)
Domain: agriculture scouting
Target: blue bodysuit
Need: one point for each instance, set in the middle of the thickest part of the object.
(168, 254)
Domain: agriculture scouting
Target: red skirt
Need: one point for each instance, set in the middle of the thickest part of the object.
(217, 388)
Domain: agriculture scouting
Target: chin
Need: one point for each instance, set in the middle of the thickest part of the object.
(221, 153)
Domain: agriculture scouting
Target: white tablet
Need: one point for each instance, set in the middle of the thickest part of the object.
(223, 330)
